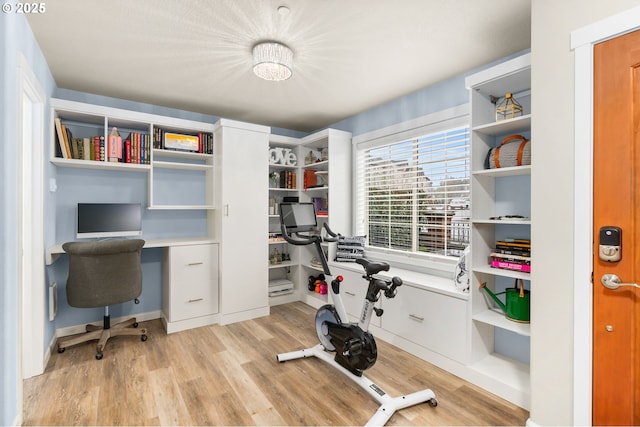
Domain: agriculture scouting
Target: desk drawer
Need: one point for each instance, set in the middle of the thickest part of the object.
(192, 262)
(193, 299)
(190, 281)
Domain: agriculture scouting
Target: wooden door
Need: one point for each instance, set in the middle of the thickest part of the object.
(616, 313)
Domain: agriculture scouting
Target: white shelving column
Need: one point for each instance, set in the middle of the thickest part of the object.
(496, 343)
(287, 269)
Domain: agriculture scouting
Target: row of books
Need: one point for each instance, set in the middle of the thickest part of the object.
(512, 254)
(201, 142)
(134, 149)
(288, 179)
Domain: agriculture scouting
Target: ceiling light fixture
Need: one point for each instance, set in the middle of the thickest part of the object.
(272, 61)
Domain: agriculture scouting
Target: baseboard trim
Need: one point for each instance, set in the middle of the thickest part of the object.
(183, 325)
(78, 329)
(226, 319)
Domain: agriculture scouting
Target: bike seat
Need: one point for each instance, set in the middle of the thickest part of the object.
(372, 267)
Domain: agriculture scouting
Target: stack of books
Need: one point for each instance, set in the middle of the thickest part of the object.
(512, 254)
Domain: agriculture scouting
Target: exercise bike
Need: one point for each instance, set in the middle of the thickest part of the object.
(354, 346)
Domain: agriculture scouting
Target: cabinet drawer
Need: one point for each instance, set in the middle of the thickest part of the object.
(190, 281)
(193, 262)
(194, 299)
(431, 320)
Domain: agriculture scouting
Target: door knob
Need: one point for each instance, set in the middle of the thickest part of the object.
(611, 281)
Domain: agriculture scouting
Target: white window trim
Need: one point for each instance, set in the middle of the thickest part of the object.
(457, 116)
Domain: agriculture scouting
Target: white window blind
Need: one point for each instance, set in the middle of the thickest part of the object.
(414, 193)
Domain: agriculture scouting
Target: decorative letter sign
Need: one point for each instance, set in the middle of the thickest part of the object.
(282, 156)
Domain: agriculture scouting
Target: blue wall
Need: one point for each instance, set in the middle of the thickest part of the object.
(443, 95)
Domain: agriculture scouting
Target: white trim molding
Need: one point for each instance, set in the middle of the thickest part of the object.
(582, 42)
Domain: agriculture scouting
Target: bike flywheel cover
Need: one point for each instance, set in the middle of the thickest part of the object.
(326, 313)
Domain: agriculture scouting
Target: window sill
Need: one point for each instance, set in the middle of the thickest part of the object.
(427, 264)
(439, 283)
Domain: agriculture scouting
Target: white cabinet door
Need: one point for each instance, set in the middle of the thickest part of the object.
(243, 223)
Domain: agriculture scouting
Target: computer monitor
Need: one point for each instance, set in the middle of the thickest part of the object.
(96, 220)
(298, 217)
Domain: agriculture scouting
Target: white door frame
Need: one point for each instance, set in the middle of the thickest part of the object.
(30, 216)
(582, 43)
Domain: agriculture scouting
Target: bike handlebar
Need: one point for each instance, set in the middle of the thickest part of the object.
(389, 287)
(301, 240)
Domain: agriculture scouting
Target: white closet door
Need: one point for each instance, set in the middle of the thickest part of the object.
(244, 273)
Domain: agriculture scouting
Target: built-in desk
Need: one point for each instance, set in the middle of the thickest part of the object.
(189, 280)
(53, 252)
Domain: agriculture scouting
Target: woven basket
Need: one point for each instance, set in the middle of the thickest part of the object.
(514, 150)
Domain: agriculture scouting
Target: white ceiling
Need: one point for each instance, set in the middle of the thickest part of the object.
(349, 55)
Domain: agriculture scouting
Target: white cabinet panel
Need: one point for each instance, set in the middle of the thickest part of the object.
(431, 320)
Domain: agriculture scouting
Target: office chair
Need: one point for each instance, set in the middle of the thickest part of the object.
(103, 273)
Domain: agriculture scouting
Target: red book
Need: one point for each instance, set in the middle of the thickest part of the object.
(127, 151)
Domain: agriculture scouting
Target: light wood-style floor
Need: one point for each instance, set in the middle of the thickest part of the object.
(228, 375)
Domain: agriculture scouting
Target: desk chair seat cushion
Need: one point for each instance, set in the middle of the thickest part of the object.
(102, 273)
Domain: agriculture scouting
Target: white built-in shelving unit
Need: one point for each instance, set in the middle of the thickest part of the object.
(496, 343)
(331, 163)
(89, 120)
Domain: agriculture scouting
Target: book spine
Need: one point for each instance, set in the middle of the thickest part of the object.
(511, 257)
(96, 148)
(77, 153)
(510, 266)
(64, 149)
(86, 149)
(127, 150)
(504, 244)
(102, 150)
(512, 251)
(112, 148)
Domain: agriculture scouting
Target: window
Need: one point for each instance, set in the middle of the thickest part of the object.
(413, 194)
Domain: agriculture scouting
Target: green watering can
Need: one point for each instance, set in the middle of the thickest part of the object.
(516, 306)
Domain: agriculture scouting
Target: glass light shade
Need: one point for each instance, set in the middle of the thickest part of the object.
(272, 61)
